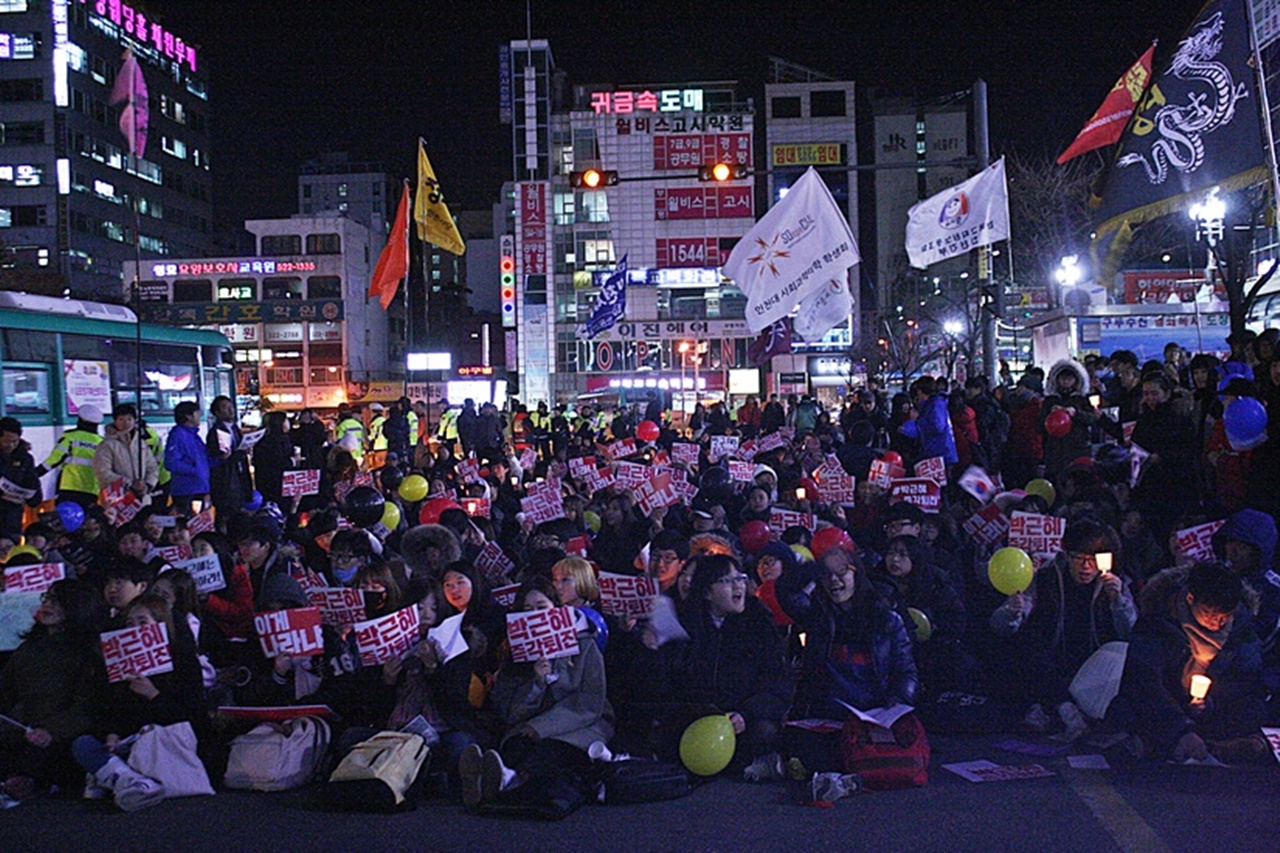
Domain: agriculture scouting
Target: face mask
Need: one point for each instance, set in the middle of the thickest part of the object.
(345, 575)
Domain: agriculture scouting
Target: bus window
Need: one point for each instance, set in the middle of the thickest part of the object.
(26, 391)
(30, 345)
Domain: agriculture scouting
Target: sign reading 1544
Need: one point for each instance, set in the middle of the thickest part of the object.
(691, 251)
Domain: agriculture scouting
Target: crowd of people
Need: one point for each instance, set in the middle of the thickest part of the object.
(798, 595)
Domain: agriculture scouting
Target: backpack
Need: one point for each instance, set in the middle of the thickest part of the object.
(886, 761)
(378, 772)
(635, 780)
(277, 758)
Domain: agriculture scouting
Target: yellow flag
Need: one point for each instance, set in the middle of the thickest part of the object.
(435, 225)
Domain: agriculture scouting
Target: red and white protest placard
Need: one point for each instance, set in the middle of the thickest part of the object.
(628, 595)
(1036, 534)
(544, 506)
(143, 650)
(506, 595)
(201, 522)
(987, 526)
(685, 490)
(295, 484)
(380, 640)
(468, 470)
(206, 571)
(599, 479)
(1273, 740)
(662, 457)
(545, 487)
(123, 504)
(772, 441)
(621, 449)
(578, 545)
(1127, 431)
(747, 450)
(1196, 543)
(477, 507)
(36, 578)
(933, 468)
(883, 473)
(528, 459)
(629, 475)
(781, 519)
(741, 472)
(174, 554)
(835, 485)
(722, 446)
(920, 491)
(542, 634)
(494, 564)
(579, 465)
(343, 488)
(656, 492)
(685, 453)
(294, 632)
(339, 606)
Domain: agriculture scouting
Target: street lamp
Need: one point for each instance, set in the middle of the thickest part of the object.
(1069, 272)
(952, 328)
(1209, 216)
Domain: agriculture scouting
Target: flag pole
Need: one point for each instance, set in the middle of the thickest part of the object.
(1261, 82)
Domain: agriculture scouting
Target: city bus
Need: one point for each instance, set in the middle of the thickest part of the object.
(58, 355)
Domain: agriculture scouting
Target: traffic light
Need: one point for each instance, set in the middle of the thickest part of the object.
(719, 172)
(593, 179)
(507, 277)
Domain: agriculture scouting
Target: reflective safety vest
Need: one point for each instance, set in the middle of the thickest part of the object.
(449, 425)
(412, 417)
(351, 426)
(152, 439)
(377, 438)
(540, 422)
(74, 454)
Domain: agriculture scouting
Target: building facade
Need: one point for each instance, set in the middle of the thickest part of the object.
(304, 331)
(332, 183)
(68, 186)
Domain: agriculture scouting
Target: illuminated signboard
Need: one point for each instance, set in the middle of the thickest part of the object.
(227, 313)
(702, 202)
(689, 151)
(14, 46)
(241, 267)
(665, 101)
(475, 370)
(138, 25)
(817, 154)
(22, 176)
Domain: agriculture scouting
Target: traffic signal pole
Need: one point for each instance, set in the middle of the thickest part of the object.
(992, 301)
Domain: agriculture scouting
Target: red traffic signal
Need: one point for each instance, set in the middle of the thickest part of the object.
(593, 179)
(719, 172)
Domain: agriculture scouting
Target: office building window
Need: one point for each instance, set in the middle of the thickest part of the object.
(195, 290)
(826, 103)
(788, 107)
(324, 287)
(13, 91)
(22, 133)
(324, 244)
(281, 244)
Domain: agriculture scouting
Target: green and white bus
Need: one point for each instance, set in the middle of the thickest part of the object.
(57, 355)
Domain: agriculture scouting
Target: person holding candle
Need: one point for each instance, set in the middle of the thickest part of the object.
(1192, 684)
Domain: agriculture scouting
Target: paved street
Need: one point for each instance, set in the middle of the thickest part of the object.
(1131, 807)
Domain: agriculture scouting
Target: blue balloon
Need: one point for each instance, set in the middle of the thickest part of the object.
(255, 501)
(72, 515)
(1246, 423)
(602, 629)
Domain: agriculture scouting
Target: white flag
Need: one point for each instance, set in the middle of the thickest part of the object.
(801, 244)
(959, 219)
(823, 309)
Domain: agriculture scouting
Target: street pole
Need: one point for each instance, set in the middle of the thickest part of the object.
(982, 146)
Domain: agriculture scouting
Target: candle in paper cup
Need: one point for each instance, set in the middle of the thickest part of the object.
(1104, 561)
(1200, 687)
(1095, 400)
(800, 493)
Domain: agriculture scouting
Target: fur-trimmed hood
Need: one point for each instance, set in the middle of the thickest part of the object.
(1082, 376)
(414, 545)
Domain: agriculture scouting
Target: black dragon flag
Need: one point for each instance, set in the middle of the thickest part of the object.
(1198, 127)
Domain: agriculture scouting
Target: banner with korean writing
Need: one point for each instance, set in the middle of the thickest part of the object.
(295, 632)
(883, 473)
(579, 465)
(206, 571)
(781, 519)
(339, 606)
(494, 564)
(922, 492)
(722, 446)
(1036, 534)
(1196, 543)
(621, 449)
(542, 634)
(741, 472)
(772, 441)
(747, 450)
(685, 453)
(202, 522)
(835, 485)
(173, 554)
(542, 507)
(987, 526)
(630, 475)
(934, 468)
(579, 545)
(598, 480)
(343, 488)
(627, 595)
(35, 578)
(299, 483)
(506, 595)
(143, 650)
(656, 492)
(380, 640)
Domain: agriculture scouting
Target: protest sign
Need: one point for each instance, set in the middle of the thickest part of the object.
(1196, 542)
(13, 493)
(772, 441)
(741, 472)
(656, 492)
(299, 483)
(579, 465)
(528, 459)
(494, 564)
(1036, 534)
(685, 453)
(35, 578)
(249, 440)
(543, 506)
(933, 468)
(746, 451)
(598, 480)
(477, 507)
(621, 449)
(206, 571)
(506, 595)
(174, 554)
(343, 488)
(781, 519)
(380, 640)
(468, 470)
(542, 634)
(835, 485)
(883, 473)
(922, 492)
(339, 606)
(987, 526)
(294, 632)
(201, 522)
(722, 446)
(629, 475)
(578, 545)
(627, 595)
(143, 650)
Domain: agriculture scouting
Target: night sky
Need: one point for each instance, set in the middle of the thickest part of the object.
(289, 80)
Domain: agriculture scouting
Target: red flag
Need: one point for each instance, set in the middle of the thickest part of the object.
(135, 116)
(393, 263)
(1113, 116)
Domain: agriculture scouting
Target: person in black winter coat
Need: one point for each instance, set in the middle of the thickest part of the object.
(1068, 385)
(19, 468)
(272, 456)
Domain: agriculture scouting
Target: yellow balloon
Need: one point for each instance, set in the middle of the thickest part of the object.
(1010, 570)
(592, 520)
(414, 488)
(707, 746)
(20, 550)
(924, 629)
(1043, 488)
(391, 515)
(803, 553)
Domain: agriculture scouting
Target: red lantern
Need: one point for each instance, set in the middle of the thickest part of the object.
(1058, 424)
(647, 431)
(754, 535)
(828, 538)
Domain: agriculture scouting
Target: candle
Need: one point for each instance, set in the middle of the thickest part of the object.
(1104, 561)
(1095, 400)
(1200, 687)
(800, 493)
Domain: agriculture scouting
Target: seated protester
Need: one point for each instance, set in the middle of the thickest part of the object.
(910, 582)
(1070, 609)
(1247, 543)
(42, 537)
(460, 523)
(52, 683)
(576, 582)
(126, 579)
(668, 552)
(759, 506)
(466, 591)
(428, 548)
(230, 609)
(263, 554)
(1194, 623)
(766, 566)
(90, 548)
(622, 535)
(349, 551)
(551, 712)
(857, 652)
(163, 699)
(382, 594)
(733, 660)
(178, 588)
(133, 545)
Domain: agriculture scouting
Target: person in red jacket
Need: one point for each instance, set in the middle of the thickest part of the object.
(1024, 452)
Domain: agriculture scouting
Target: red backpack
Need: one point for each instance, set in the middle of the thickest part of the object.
(886, 762)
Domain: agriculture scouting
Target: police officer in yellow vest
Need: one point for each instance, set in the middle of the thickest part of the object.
(74, 454)
(540, 420)
(349, 423)
(377, 438)
(160, 494)
(448, 430)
